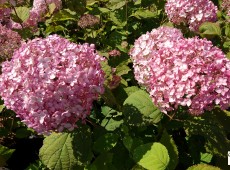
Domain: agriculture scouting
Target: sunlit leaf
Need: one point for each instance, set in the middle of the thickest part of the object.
(67, 150)
(152, 156)
(203, 167)
(5, 154)
(21, 15)
(209, 30)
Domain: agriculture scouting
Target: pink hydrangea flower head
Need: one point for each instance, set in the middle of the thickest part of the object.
(191, 12)
(188, 72)
(147, 43)
(51, 83)
(10, 41)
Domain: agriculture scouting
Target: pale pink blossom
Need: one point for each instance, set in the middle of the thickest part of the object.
(147, 43)
(51, 83)
(182, 72)
(191, 12)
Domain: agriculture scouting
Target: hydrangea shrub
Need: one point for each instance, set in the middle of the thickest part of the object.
(165, 107)
(51, 83)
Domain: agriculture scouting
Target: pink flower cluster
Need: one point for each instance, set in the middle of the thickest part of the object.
(51, 83)
(4, 13)
(9, 41)
(37, 13)
(181, 72)
(145, 44)
(191, 12)
(40, 8)
(226, 6)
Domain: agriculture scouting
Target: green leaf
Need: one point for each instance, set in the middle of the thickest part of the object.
(152, 156)
(91, 2)
(112, 119)
(131, 143)
(5, 154)
(110, 99)
(122, 68)
(79, 6)
(21, 15)
(227, 44)
(117, 5)
(213, 131)
(144, 14)
(228, 55)
(227, 31)
(209, 30)
(52, 8)
(1, 107)
(64, 15)
(169, 143)
(108, 111)
(54, 28)
(147, 3)
(25, 33)
(223, 117)
(36, 166)
(206, 157)
(105, 142)
(110, 124)
(128, 142)
(103, 162)
(131, 89)
(115, 38)
(106, 68)
(23, 132)
(139, 110)
(118, 17)
(203, 167)
(104, 10)
(67, 150)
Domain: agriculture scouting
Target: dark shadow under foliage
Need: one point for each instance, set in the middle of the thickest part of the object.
(26, 152)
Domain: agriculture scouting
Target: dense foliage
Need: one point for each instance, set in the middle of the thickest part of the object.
(114, 84)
